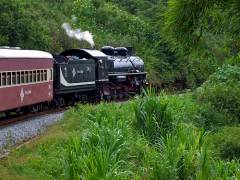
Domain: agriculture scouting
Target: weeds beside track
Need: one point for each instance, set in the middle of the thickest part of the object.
(146, 138)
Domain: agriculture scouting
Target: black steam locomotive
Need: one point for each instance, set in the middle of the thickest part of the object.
(32, 80)
(91, 75)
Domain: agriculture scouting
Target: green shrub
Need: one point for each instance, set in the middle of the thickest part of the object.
(210, 119)
(227, 73)
(222, 91)
(225, 142)
(224, 97)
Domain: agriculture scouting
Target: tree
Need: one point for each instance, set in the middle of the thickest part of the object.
(189, 22)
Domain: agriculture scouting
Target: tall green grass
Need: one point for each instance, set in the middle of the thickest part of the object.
(102, 150)
(149, 137)
(153, 118)
(181, 151)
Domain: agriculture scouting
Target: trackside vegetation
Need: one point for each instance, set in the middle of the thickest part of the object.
(149, 137)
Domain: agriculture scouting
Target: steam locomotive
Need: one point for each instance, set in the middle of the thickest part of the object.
(34, 80)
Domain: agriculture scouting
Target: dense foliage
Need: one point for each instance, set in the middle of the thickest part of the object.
(138, 23)
(33, 24)
(222, 90)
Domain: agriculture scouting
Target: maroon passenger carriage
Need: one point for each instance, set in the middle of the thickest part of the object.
(26, 80)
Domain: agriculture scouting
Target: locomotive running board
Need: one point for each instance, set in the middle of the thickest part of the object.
(125, 74)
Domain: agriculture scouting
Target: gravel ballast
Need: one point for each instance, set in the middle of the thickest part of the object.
(22, 131)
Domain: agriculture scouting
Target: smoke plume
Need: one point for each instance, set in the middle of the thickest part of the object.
(78, 34)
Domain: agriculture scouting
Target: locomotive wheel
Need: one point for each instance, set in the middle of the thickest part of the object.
(83, 99)
(114, 94)
(97, 97)
(34, 108)
(59, 102)
(107, 98)
(121, 94)
(72, 102)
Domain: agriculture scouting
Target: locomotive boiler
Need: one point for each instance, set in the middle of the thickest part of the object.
(125, 72)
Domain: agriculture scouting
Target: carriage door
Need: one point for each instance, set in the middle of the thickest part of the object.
(102, 72)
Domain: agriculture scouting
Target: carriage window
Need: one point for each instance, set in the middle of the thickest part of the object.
(40, 72)
(34, 76)
(45, 75)
(42, 75)
(38, 75)
(51, 78)
(22, 77)
(13, 78)
(9, 78)
(30, 77)
(18, 77)
(26, 77)
(3, 79)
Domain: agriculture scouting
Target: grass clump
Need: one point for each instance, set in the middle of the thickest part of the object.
(153, 117)
(180, 150)
(180, 155)
(102, 148)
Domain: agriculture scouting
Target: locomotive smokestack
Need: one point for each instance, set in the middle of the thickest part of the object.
(78, 34)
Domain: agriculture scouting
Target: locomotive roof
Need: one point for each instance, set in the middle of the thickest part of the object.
(12, 53)
(84, 53)
(94, 53)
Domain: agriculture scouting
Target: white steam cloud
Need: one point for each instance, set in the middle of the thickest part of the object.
(78, 34)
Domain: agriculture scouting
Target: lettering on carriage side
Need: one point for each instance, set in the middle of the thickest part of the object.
(24, 93)
(27, 92)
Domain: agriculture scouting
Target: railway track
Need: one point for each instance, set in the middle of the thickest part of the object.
(14, 119)
(19, 129)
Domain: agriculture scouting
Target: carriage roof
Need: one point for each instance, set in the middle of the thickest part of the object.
(13, 53)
